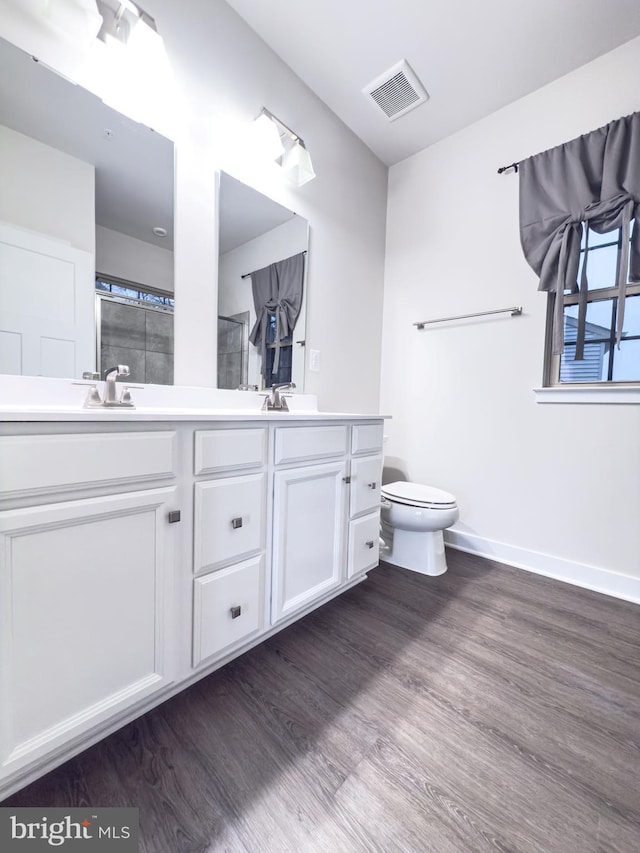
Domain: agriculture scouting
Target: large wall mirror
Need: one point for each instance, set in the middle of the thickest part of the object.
(85, 283)
(259, 237)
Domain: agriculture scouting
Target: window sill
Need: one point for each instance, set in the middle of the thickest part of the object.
(610, 395)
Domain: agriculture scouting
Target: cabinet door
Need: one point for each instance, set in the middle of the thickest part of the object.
(308, 535)
(229, 520)
(84, 591)
(364, 544)
(365, 485)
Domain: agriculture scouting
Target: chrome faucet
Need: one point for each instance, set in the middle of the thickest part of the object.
(275, 401)
(111, 398)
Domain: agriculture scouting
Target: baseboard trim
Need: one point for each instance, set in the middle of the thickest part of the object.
(578, 574)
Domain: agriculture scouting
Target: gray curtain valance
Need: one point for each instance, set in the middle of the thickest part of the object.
(277, 291)
(590, 182)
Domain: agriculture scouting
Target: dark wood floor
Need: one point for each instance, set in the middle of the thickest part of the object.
(487, 709)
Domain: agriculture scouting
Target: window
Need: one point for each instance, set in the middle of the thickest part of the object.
(130, 292)
(603, 361)
(285, 362)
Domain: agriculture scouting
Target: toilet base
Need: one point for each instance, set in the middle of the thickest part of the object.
(421, 552)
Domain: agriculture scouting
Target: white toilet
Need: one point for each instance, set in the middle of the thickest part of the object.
(413, 517)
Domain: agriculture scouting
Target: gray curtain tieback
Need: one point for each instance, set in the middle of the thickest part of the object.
(601, 217)
(627, 213)
(259, 333)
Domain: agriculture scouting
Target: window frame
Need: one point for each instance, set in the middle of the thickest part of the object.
(552, 363)
(167, 306)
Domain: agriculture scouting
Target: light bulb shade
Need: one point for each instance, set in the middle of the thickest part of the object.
(134, 78)
(297, 165)
(265, 138)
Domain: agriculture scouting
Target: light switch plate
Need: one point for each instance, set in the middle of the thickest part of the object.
(314, 360)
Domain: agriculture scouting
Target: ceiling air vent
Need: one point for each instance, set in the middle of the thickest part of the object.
(397, 91)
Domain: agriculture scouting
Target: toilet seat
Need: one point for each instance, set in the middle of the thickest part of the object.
(416, 494)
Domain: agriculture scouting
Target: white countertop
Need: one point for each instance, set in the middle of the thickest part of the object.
(10, 414)
(27, 398)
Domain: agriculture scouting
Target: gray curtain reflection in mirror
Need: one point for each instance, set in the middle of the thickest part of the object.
(277, 292)
(140, 337)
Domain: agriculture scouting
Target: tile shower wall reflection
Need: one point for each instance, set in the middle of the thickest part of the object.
(139, 337)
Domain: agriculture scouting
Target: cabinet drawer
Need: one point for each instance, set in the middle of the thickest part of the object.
(365, 485)
(367, 438)
(229, 520)
(228, 608)
(301, 443)
(222, 449)
(36, 464)
(364, 544)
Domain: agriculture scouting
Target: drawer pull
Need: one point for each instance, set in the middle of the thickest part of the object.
(236, 523)
(236, 611)
(372, 485)
(370, 543)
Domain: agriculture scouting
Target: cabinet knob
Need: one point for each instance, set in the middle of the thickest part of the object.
(236, 523)
(370, 543)
(372, 485)
(173, 516)
(346, 479)
(236, 611)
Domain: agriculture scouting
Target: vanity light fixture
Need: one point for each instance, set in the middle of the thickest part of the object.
(297, 165)
(265, 136)
(279, 142)
(128, 66)
(119, 19)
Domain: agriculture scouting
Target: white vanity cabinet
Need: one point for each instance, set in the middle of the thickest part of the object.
(108, 607)
(86, 575)
(230, 525)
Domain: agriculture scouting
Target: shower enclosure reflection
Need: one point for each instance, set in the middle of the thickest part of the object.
(233, 350)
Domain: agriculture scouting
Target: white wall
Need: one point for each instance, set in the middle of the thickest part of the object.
(44, 190)
(134, 260)
(224, 69)
(556, 480)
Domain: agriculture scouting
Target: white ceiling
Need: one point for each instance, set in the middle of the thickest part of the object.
(472, 57)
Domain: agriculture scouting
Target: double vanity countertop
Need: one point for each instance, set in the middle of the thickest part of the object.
(40, 399)
(35, 413)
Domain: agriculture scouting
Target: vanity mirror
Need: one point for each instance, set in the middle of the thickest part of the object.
(257, 233)
(83, 188)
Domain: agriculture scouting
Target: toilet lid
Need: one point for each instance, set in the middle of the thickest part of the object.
(418, 494)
